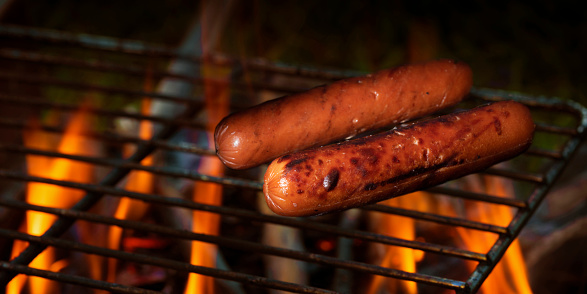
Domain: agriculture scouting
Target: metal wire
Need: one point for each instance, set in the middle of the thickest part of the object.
(540, 182)
(115, 176)
(225, 242)
(136, 47)
(71, 279)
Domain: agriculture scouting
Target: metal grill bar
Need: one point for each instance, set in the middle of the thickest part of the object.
(139, 48)
(478, 196)
(521, 176)
(544, 153)
(44, 241)
(538, 102)
(307, 225)
(24, 56)
(437, 218)
(124, 164)
(231, 243)
(115, 138)
(522, 216)
(88, 87)
(71, 279)
(38, 103)
(540, 182)
(84, 40)
(62, 225)
(556, 129)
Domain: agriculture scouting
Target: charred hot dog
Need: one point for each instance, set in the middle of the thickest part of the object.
(370, 169)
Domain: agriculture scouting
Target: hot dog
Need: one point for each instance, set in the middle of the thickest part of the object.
(340, 110)
(370, 169)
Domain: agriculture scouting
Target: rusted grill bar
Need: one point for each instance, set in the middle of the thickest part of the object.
(535, 183)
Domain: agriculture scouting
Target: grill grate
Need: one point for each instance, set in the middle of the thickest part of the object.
(73, 66)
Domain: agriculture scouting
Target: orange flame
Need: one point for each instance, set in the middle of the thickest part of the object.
(509, 275)
(401, 258)
(204, 254)
(138, 181)
(214, 15)
(51, 195)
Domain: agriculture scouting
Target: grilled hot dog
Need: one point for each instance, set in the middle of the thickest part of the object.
(370, 169)
(340, 110)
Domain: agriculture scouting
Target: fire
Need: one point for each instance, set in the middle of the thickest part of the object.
(204, 254)
(50, 195)
(216, 95)
(138, 181)
(509, 276)
(400, 257)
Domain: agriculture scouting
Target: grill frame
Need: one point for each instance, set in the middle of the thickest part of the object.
(120, 168)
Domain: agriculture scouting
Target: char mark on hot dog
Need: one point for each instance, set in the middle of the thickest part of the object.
(393, 163)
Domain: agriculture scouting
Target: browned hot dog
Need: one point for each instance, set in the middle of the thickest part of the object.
(370, 169)
(339, 110)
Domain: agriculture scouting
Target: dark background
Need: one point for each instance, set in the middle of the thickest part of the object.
(535, 48)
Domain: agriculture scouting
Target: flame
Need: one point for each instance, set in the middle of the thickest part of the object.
(401, 258)
(204, 254)
(138, 181)
(51, 195)
(15, 286)
(510, 274)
